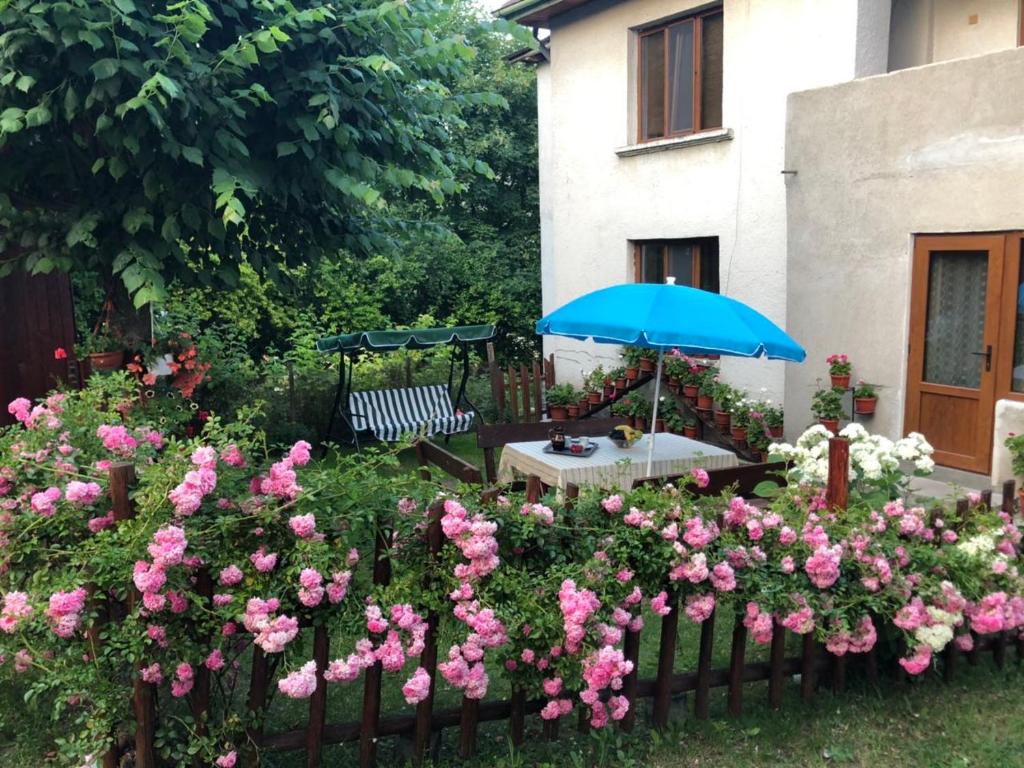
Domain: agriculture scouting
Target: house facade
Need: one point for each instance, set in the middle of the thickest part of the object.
(851, 168)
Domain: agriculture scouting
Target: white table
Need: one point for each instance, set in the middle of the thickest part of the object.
(610, 466)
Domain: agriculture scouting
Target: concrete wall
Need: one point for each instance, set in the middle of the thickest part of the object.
(927, 31)
(599, 201)
(928, 150)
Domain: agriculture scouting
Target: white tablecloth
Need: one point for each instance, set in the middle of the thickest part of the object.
(610, 466)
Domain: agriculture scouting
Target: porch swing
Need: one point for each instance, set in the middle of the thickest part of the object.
(391, 413)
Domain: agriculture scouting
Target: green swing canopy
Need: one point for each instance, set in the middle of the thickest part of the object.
(412, 338)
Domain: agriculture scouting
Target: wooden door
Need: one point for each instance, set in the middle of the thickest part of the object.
(954, 339)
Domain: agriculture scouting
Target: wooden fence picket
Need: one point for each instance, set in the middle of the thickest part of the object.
(318, 701)
(372, 676)
(666, 659)
(428, 658)
(702, 694)
(739, 646)
(631, 652)
(777, 657)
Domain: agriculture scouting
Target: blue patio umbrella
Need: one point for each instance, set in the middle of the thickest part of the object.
(671, 316)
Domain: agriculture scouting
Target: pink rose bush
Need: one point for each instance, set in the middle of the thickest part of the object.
(233, 550)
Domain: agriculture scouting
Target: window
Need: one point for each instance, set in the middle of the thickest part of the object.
(691, 262)
(681, 77)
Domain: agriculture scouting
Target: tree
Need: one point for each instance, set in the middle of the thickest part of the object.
(176, 142)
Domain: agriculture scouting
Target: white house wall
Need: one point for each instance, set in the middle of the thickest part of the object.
(596, 202)
(928, 31)
(929, 150)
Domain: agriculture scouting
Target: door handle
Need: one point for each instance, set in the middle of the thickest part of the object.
(987, 354)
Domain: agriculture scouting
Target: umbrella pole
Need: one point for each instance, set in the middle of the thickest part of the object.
(654, 415)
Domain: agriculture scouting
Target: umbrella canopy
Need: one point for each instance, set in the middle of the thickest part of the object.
(670, 316)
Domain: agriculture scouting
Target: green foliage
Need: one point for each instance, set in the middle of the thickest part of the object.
(827, 403)
(863, 389)
(1015, 444)
(181, 142)
(562, 395)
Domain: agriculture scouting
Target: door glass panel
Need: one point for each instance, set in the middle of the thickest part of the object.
(680, 77)
(955, 327)
(680, 264)
(1017, 381)
(652, 54)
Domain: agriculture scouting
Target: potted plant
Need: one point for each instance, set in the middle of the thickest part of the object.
(674, 423)
(1015, 444)
(724, 396)
(648, 360)
(632, 357)
(560, 397)
(667, 408)
(618, 377)
(706, 389)
(624, 409)
(641, 413)
(773, 418)
(690, 379)
(690, 427)
(105, 353)
(757, 437)
(594, 385)
(827, 407)
(675, 371)
(839, 368)
(865, 398)
(740, 414)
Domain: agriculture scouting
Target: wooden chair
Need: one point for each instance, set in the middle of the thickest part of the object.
(428, 453)
(743, 478)
(491, 436)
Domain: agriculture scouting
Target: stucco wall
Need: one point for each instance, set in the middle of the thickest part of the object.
(927, 31)
(599, 201)
(927, 150)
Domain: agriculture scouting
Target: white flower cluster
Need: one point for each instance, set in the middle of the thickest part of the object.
(871, 456)
(982, 546)
(939, 633)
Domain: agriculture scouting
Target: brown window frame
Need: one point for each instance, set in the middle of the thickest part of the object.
(697, 20)
(697, 258)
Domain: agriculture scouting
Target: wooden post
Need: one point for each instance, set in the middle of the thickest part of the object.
(428, 658)
(538, 400)
(838, 674)
(837, 494)
(534, 489)
(200, 697)
(517, 718)
(666, 657)
(807, 671)
(702, 695)
(122, 478)
(372, 676)
(513, 395)
(631, 652)
(949, 657)
(468, 719)
(739, 647)
(776, 659)
(550, 729)
(257, 703)
(524, 381)
(497, 382)
(550, 380)
(962, 510)
(318, 701)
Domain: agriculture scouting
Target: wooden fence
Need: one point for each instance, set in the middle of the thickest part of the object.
(518, 390)
(813, 665)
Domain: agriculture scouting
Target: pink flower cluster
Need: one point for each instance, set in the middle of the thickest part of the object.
(300, 683)
(85, 494)
(44, 502)
(475, 539)
(604, 670)
(303, 526)
(417, 687)
(15, 608)
(861, 640)
(996, 612)
(539, 513)
(465, 666)
(823, 566)
(759, 623)
(184, 679)
(577, 605)
(700, 607)
(188, 496)
(271, 633)
(117, 439)
(64, 611)
(282, 480)
(801, 620)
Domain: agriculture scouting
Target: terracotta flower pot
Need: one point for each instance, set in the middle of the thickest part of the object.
(646, 365)
(722, 419)
(690, 432)
(632, 373)
(107, 361)
(640, 423)
(659, 425)
(620, 383)
(764, 456)
(557, 412)
(572, 411)
(691, 391)
(840, 382)
(739, 434)
(775, 432)
(865, 406)
(673, 386)
(609, 390)
(704, 402)
(584, 405)
(594, 398)
(832, 425)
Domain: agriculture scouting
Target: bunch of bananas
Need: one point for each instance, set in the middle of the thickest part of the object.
(624, 435)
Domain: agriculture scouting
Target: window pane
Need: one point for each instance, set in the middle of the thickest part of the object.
(652, 265)
(1017, 381)
(680, 77)
(680, 263)
(652, 53)
(711, 71)
(955, 324)
(709, 265)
